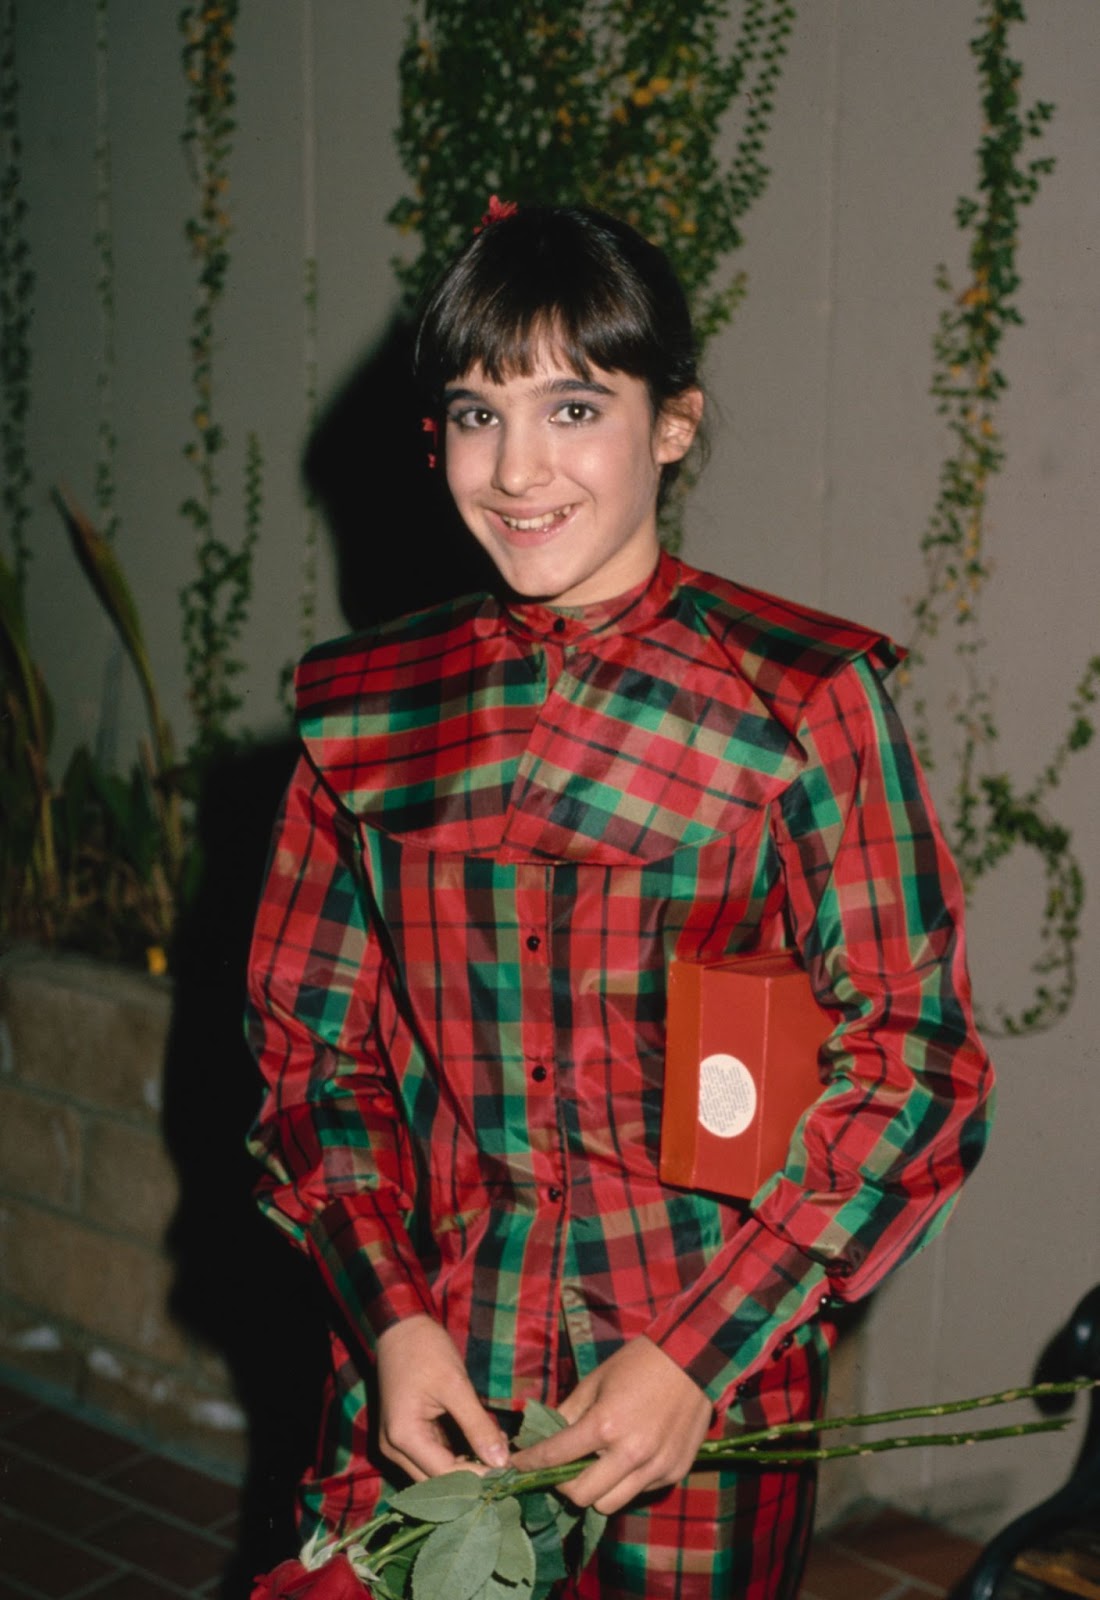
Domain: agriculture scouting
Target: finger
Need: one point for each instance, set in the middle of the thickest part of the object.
(421, 1455)
(612, 1482)
(579, 1400)
(573, 1443)
(480, 1429)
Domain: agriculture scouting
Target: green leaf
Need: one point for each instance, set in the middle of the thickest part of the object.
(566, 1516)
(549, 1557)
(538, 1510)
(495, 1588)
(104, 572)
(539, 1422)
(441, 1499)
(392, 1582)
(594, 1524)
(29, 687)
(516, 1561)
(457, 1558)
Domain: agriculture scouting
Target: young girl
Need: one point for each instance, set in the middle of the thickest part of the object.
(510, 813)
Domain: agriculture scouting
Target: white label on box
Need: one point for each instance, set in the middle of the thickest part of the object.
(727, 1096)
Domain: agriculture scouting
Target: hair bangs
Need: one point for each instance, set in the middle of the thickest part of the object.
(502, 324)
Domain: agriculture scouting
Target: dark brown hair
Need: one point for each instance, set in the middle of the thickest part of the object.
(604, 295)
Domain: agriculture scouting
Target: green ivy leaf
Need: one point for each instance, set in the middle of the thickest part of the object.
(457, 1559)
(441, 1499)
(516, 1561)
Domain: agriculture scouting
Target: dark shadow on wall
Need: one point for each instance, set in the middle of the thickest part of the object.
(239, 1286)
(399, 541)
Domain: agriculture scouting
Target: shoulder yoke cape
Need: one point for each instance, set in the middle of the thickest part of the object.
(505, 822)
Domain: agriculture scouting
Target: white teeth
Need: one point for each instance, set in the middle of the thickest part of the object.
(530, 524)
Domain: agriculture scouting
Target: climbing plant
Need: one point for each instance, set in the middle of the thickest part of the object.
(215, 602)
(990, 815)
(16, 291)
(104, 244)
(614, 103)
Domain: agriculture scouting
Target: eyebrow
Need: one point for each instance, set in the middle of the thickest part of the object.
(556, 386)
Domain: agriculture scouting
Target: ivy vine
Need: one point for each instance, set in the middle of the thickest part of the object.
(215, 603)
(613, 103)
(307, 591)
(990, 816)
(104, 246)
(16, 291)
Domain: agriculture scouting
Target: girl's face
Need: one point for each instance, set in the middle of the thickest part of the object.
(557, 476)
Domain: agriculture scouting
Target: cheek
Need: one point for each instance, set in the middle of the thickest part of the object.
(460, 462)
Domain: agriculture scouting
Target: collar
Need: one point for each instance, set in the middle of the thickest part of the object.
(631, 612)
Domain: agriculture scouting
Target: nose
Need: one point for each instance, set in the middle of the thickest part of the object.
(522, 459)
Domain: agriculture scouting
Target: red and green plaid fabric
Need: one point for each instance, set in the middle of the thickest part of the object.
(504, 824)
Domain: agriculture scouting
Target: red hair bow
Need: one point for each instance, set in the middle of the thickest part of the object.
(498, 210)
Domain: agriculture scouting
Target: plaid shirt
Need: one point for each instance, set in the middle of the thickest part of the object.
(505, 823)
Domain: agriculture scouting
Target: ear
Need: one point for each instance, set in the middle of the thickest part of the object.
(677, 426)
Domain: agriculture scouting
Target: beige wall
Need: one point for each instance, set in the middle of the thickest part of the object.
(823, 473)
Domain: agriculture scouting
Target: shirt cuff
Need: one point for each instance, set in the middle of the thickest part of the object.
(741, 1311)
(362, 1248)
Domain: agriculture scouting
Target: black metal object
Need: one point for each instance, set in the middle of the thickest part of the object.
(1074, 1352)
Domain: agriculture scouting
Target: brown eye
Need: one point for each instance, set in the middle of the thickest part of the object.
(575, 412)
(473, 417)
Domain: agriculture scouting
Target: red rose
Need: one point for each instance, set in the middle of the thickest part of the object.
(290, 1581)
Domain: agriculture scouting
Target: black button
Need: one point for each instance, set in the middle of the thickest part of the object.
(555, 1194)
(533, 941)
(559, 624)
(539, 1074)
(783, 1346)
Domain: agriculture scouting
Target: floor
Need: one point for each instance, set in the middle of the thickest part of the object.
(88, 1515)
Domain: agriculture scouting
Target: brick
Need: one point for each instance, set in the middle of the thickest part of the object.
(39, 1147)
(167, 1411)
(114, 1289)
(53, 1564)
(163, 1550)
(28, 1486)
(130, 1183)
(55, 1438)
(87, 1030)
(834, 1574)
(132, 1586)
(183, 1493)
(35, 1347)
(909, 1546)
(15, 1406)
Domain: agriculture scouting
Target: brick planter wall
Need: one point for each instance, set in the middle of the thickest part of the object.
(86, 1194)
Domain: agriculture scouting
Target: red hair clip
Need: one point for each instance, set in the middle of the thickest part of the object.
(431, 428)
(498, 210)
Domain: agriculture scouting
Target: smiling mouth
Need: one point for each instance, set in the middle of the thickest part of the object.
(535, 524)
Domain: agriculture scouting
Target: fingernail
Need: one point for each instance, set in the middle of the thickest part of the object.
(496, 1456)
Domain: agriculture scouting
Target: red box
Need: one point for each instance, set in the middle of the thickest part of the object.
(741, 1066)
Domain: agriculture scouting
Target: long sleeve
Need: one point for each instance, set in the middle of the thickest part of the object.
(874, 906)
(339, 1176)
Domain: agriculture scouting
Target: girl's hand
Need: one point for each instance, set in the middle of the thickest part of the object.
(421, 1379)
(640, 1414)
